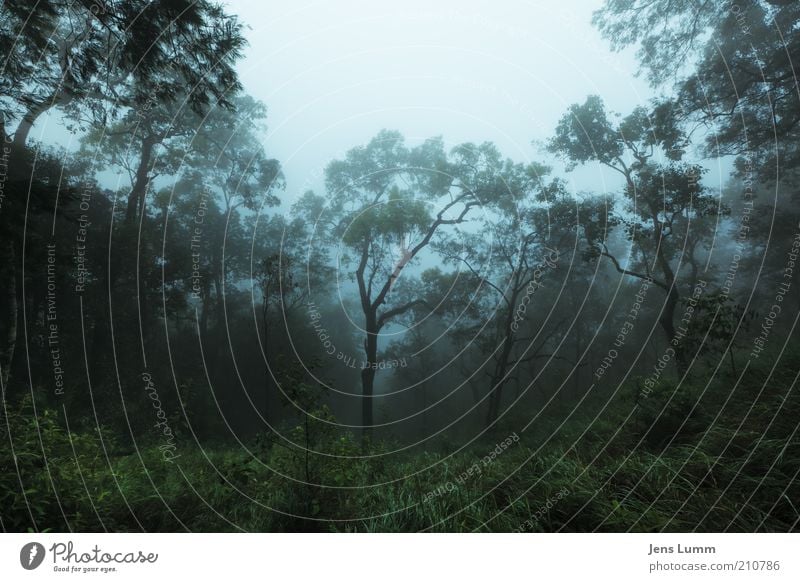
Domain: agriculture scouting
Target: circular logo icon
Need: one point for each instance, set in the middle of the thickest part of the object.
(31, 555)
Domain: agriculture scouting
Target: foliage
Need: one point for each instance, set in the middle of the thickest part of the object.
(692, 457)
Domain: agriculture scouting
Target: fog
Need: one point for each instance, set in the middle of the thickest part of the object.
(408, 266)
(335, 73)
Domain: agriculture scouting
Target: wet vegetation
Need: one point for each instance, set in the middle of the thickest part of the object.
(437, 338)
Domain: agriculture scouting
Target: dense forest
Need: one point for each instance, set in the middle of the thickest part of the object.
(436, 337)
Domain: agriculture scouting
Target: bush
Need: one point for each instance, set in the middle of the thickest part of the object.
(700, 457)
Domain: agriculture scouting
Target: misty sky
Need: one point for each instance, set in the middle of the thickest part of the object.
(333, 73)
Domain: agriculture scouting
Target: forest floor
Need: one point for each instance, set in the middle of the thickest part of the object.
(715, 455)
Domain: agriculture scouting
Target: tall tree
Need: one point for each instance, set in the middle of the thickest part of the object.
(385, 204)
(664, 202)
(95, 60)
(99, 57)
(508, 260)
(741, 78)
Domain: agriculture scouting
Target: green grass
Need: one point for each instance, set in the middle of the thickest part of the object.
(733, 465)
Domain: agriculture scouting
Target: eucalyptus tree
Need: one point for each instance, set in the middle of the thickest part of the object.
(385, 204)
(231, 166)
(665, 203)
(95, 58)
(732, 66)
(143, 145)
(284, 271)
(98, 62)
(508, 260)
(194, 182)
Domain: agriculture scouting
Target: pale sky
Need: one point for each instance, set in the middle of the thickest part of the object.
(334, 72)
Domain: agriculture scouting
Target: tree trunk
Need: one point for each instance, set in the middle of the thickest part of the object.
(496, 394)
(216, 363)
(139, 190)
(667, 322)
(11, 319)
(368, 373)
(576, 373)
(499, 379)
(101, 335)
(145, 307)
(205, 310)
(26, 123)
(268, 381)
